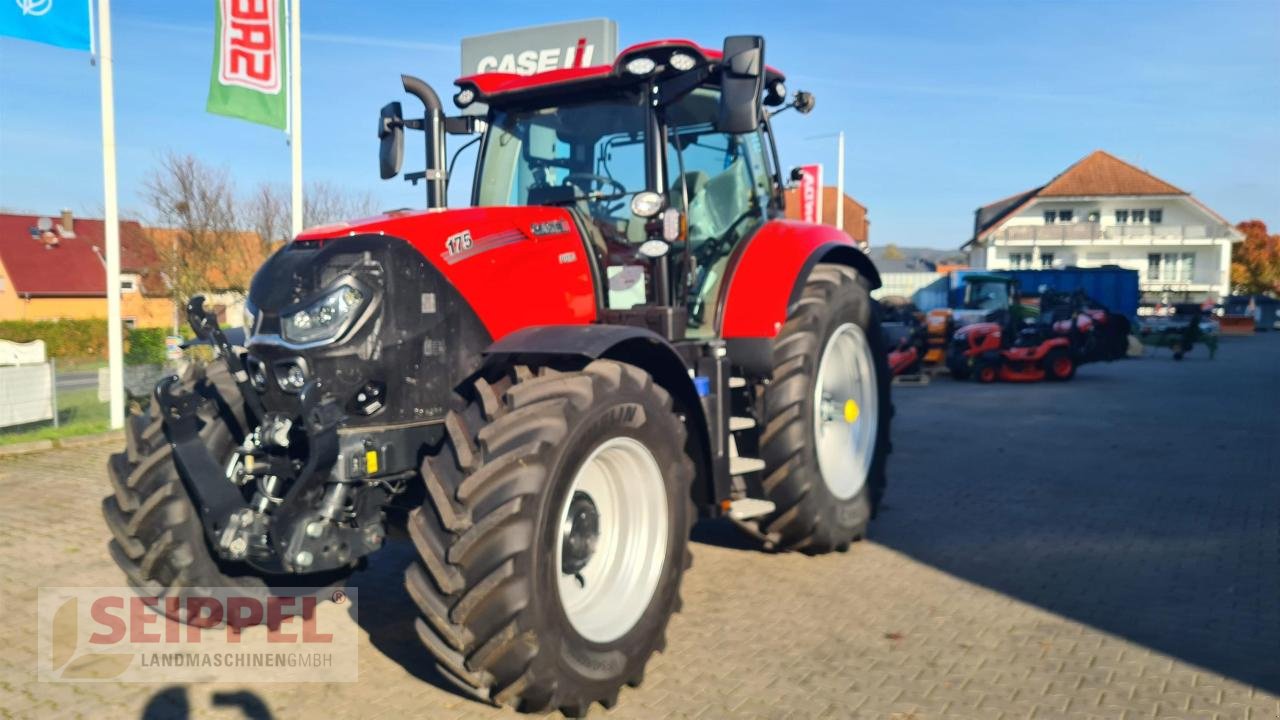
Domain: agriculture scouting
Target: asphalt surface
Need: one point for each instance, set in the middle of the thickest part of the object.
(77, 380)
(1109, 547)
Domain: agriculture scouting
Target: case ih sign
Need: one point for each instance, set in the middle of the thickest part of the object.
(538, 49)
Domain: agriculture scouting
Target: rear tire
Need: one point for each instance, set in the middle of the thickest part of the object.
(497, 613)
(816, 513)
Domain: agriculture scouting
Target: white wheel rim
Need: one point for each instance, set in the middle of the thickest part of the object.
(607, 596)
(846, 411)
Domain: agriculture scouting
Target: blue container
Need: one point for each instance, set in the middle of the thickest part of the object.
(1114, 287)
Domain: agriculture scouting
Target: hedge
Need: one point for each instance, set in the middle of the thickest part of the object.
(86, 339)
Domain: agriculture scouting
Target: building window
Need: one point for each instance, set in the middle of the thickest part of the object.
(1155, 215)
(1046, 260)
(1138, 216)
(1171, 267)
(1122, 217)
(1020, 261)
(131, 323)
(127, 284)
(1050, 217)
(1066, 215)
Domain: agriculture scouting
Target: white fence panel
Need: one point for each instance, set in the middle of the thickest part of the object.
(16, 353)
(26, 394)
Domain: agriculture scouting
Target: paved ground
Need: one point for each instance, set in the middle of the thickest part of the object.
(1106, 548)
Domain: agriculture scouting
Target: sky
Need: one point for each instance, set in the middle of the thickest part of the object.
(946, 106)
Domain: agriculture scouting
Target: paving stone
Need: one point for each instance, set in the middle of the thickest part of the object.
(1108, 547)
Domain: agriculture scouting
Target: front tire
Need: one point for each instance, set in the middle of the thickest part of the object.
(157, 537)
(547, 480)
(827, 411)
(1059, 365)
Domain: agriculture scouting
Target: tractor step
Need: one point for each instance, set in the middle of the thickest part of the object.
(737, 423)
(744, 465)
(737, 382)
(750, 508)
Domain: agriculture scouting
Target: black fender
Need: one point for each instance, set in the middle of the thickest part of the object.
(633, 345)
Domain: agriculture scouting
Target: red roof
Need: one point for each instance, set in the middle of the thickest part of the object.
(72, 266)
(1101, 173)
(1097, 174)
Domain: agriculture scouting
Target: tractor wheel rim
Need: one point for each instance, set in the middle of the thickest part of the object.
(846, 411)
(1061, 366)
(612, 539)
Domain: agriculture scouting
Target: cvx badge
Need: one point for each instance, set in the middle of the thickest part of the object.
(549, 227)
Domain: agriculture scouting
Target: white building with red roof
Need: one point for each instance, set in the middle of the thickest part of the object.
(1104, 211)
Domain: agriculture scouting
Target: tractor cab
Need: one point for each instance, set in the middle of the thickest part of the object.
(986, 298)
(665, 160)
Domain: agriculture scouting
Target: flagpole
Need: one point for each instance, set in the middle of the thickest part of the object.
(111, 216)
(295, 112)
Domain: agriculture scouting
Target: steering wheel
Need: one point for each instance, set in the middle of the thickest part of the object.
(585, 180)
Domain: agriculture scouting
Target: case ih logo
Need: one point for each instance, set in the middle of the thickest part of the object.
(250, 42)
(528, 62)
(526, 51)
(234, 635)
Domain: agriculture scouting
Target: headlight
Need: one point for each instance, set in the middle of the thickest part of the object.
(325, 318)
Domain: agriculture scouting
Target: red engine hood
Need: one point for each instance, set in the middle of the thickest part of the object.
(516, 266)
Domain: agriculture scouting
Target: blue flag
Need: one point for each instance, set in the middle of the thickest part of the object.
(64, 23)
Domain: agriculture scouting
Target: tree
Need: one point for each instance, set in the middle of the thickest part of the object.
(1255, 262)
(268, 210)
(195, 233)
(892, 252)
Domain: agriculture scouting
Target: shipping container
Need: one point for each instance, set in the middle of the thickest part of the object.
(1114, 287)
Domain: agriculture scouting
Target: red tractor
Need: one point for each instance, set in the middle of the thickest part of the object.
(544, 390)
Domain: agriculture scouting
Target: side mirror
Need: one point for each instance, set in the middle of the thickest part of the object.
(741, 84)
(804, 102)
(391, 140)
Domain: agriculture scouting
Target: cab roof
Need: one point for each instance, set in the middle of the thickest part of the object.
(501, 85)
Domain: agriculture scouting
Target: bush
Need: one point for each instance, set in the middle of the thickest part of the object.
(145, 346)
(82, 340)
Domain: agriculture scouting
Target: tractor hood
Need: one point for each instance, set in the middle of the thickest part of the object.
(514, 266)
(404, 305)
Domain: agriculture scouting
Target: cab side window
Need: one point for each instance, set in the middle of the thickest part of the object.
(721, 183)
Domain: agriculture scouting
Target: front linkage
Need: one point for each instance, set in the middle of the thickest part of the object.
(305, 514)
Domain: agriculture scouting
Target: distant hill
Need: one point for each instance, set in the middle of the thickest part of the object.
(892, 258)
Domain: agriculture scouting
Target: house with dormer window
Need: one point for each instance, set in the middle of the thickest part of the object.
(1104, 211)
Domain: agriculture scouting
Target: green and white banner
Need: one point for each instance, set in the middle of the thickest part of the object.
(250, 70)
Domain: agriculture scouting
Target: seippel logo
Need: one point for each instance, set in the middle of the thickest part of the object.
(111, 634)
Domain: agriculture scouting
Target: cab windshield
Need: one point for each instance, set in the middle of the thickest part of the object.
(587, 156)
(986, 296)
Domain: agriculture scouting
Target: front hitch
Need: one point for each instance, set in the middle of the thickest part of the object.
(303, 517)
